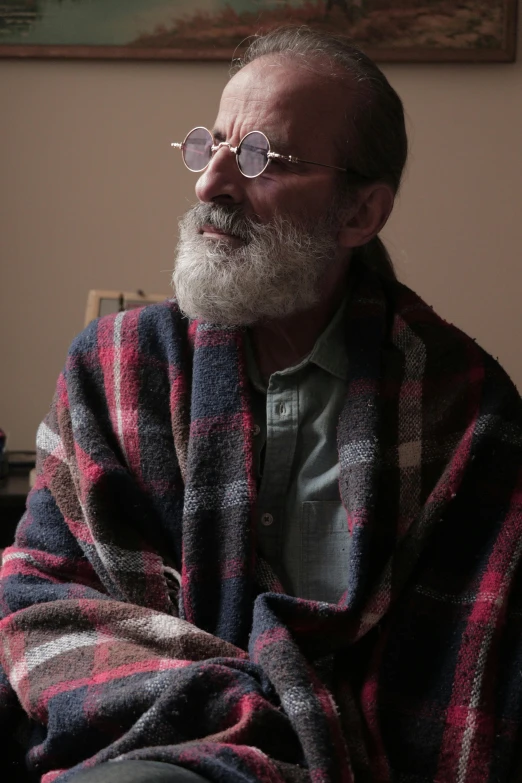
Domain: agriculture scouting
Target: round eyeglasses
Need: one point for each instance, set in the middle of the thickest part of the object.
(253, 153)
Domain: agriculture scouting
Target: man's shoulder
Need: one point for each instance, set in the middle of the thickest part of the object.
(150, 325)
(153, 334)
(414, 325)
(410, 314)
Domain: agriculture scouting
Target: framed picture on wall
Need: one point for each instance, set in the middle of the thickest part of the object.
(388, 30)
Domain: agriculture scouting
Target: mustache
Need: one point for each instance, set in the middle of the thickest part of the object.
(229, 219)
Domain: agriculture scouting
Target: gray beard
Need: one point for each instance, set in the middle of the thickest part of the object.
(276, 272)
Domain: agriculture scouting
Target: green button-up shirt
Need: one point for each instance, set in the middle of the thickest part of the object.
(302, 525)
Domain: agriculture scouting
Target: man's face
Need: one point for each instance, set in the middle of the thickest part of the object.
(259, 248)
(303, 115)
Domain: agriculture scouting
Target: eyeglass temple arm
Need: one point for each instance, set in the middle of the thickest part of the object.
(293, 159)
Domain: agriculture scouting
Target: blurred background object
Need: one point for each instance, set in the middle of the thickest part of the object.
(104, 302)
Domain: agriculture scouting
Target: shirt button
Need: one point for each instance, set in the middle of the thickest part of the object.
(282, 409)
(267, 519)
(257, 429)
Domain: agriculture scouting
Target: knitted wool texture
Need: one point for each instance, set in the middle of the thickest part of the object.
(138, 622)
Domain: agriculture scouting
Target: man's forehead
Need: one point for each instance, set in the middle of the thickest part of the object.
(282, 94)
(275, 80)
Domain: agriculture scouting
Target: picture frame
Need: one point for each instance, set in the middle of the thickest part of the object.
(101, 302)
(387, 30)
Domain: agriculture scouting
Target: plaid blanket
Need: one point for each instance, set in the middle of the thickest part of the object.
(138, 622)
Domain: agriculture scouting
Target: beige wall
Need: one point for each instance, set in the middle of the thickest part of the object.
(90, 195)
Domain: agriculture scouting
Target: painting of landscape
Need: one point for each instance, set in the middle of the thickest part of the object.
(388, 30)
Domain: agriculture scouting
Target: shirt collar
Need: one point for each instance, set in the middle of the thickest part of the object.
(329, 352)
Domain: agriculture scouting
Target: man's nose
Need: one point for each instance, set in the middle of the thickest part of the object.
(221, 180)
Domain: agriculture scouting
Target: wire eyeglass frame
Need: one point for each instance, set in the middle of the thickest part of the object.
(270, 155)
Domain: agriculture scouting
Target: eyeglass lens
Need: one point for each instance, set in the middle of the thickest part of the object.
(252, 155)
(197, 149)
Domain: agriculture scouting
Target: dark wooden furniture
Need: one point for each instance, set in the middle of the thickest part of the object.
(13, 494)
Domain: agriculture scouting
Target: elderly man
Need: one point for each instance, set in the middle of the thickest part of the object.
(276, 530)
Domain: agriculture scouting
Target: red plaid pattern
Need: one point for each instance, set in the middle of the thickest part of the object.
(138, 622)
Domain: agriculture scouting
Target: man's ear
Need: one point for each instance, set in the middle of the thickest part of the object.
(364, 219)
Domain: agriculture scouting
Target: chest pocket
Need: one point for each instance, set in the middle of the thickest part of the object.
(325, 547)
